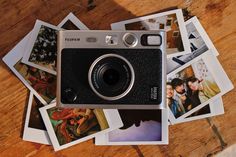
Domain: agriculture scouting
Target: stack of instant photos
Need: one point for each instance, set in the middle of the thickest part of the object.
(196, 82)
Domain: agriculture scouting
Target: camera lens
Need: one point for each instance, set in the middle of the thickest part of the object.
(111, 76)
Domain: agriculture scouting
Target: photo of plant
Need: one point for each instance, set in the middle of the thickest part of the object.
(70, 124)
(42, 82)
(35, 120)
(44, 52)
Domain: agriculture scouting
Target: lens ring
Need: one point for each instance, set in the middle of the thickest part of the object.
(112, 97)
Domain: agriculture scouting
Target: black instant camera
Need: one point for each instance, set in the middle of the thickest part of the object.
(111, 69)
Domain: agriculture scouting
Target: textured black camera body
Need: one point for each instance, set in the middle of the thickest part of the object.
(111, 69)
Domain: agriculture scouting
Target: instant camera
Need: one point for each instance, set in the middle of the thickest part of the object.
(111, 69)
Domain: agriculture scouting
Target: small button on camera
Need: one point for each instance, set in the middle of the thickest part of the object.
(111, 39)
(69, 95)
(130, 40)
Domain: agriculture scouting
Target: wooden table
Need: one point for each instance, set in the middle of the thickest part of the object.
(197, 138)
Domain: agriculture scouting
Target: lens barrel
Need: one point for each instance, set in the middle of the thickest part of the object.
(111, 76)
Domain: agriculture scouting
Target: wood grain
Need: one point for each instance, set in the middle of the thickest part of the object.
(195, 138)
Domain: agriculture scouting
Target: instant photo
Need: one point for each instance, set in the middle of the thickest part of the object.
(199, 44)
(72, 124)
(41, 49)
(194, 85)
(40, 82)
(190, 87)
(172, 22)
(69, 126)
(214, 108)
(13, 58)
(34, 129)
(140, 127)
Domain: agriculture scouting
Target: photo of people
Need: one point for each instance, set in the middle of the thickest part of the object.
(169, 23)
(71, 124)
(189, 88)
(35, 119)
(44, 52)
(42, 82)
(139, 125)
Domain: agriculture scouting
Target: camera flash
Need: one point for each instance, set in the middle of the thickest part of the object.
(153, 40)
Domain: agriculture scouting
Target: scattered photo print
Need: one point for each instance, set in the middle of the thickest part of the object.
(169, 23)
(190, 87)
(70, 26)
(44, 52)
(35, 120)
(203, 111)
(42, 82)
(71, 124)
(139, 125)
(198, 47)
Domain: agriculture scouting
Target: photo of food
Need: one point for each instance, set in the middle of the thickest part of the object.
(139, 125)
(70, 26)
(70, 124)
(44, 52)
(42, 82)
(169, 23)
(189, 88)
(198, 47)
(35, 119)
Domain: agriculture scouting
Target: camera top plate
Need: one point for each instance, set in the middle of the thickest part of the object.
(81, 48)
